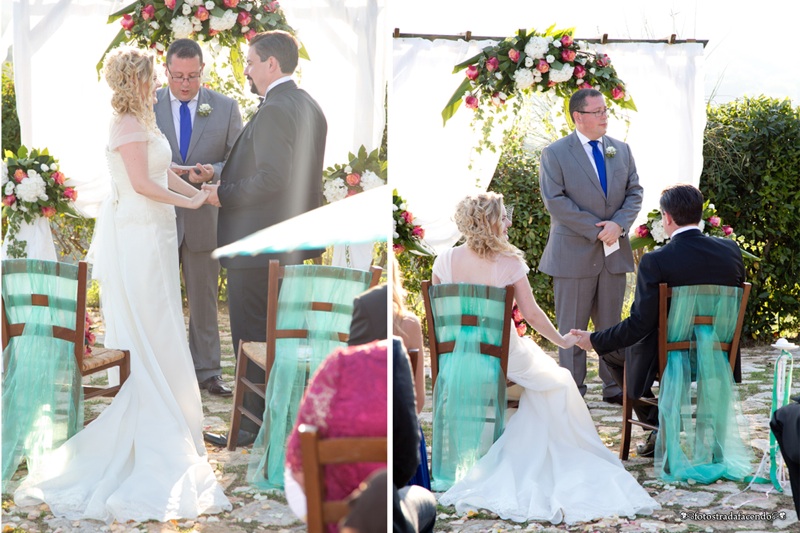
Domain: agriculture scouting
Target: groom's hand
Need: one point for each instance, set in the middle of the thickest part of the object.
(213, 198)
(584, 339)
(610, 233)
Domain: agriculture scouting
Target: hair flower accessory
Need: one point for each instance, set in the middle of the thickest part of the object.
(204, 110)
(610, 151)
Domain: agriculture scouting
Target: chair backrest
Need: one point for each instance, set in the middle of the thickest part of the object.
(707, 304)
(312, 303)
(60, 287)
(451, 307)
(316, 453)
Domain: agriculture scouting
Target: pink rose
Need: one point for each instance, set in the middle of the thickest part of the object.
(48, 211)
(20, 175)
(9, 200)
(727, 230)
(408, 217)
(244, 18)
(585, 86)
(542, 66)
(642, 231)
(579, 71)
(271, 7)
(230, 3)
(498, 98)
(471, 102)
(249, 35)
(90, 338)
(212, 33)
(148, 12)
(521, 329)
(513, 55)
(398, 248)
(352, 192)
(71, 193)
(127, 22)
(566, 40)
(492, 64)
(551, 83)
(353, 179)
(418, 232)
(472, 72)
(516, 314)
(170, 4)
(617, 92)
(568, 55)
(58, 177)
(202, 13)
(603, 60)
(714, 221)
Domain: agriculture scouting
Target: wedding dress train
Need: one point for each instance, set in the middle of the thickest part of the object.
(143, 458)
(549, 463)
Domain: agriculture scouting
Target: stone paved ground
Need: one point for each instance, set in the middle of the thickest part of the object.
(256, 511)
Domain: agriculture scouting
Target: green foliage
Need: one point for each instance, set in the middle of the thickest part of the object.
(752, 176)
(11, 135)
(72, 237)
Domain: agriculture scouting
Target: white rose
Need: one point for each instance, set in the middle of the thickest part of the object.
(9, 188)
(160, 47)
(258, 16)
(395, 208)
(657, 231)
(245, 29)
(54, 167)
(155, 25)
(370, 180)
(549, 58)
(32, 188)
(210, 5)
(557, 44)
(523, 78)
(711, 206)
(201, 37)
(44, 167)
(529, 61)
(562, 75)
(348, 169)
(396, 235)
(181, 27)
(5, 173)
(195, 21)
(187, 9)
(404, 207)
(536, 47)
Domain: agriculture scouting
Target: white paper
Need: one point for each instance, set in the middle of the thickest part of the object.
(610, 249)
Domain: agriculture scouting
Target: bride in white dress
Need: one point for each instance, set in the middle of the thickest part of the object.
(143, 458)
(549, 464)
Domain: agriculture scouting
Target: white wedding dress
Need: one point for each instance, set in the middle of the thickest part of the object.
(549, 463)
(143, 458)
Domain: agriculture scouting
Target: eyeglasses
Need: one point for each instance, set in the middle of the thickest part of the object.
(599, 113)
(190, 78)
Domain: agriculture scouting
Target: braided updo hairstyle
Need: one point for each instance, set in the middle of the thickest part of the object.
(129, 72)
(479, 218)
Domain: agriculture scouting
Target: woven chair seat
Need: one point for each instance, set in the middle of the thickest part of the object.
(100, 357)
(256, 352)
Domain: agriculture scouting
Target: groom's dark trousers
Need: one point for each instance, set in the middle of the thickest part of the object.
(785, 424)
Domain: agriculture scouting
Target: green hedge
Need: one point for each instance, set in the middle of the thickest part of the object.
(752, 175)
(10, 121)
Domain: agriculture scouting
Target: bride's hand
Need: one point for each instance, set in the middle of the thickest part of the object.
(198, 199)
(570, 340)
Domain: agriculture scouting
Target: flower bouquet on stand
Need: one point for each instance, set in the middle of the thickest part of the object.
(34, 190)
(407, 236)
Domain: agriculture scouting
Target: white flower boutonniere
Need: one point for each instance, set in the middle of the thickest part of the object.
(204, 110)
(610, 151)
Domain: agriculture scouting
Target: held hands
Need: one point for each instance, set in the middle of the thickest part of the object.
(198, 199)
(570, 340)
(610, 233)
(211, 189)
(584, 340)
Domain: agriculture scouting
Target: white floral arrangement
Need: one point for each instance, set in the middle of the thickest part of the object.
(610, 151)
(365, 171)
(204, 110)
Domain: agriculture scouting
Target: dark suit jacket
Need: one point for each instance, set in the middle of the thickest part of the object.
(405, 428)
(274, 172)
(690, 258)
(369, 316)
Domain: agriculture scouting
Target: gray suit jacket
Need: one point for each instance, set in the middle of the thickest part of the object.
(213, 137)
(574, 198)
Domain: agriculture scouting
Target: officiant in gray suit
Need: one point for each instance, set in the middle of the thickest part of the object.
(201, 126)
(590, 187)
(273, 173)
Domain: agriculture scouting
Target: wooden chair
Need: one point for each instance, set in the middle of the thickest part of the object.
(17, 294)
(262, 354)
(415, 356)
(664, 347)
(316, 453)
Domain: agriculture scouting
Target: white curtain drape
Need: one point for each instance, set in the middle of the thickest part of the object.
(430, 163)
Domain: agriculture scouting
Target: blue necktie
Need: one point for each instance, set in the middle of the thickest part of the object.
(600, 162)
(186, 129)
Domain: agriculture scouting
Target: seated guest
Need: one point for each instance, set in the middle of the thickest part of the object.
(785, 424)
(339, 404)
(685, 260)
(369, 316)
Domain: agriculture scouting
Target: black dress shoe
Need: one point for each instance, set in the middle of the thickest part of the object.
(614, 399)
(215, 385)
(648, 449)
(221, 439)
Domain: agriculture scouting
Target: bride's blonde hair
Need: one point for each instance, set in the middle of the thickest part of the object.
(479, 218)
(129, 72)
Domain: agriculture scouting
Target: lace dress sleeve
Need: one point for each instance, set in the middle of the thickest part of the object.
(126, 129)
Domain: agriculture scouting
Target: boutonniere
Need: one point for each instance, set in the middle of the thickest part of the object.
(204, 110)
(610, 151)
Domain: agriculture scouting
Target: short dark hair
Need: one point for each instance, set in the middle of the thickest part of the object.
(577, 101)
(683, 202)
(281, 45)
(184, 48)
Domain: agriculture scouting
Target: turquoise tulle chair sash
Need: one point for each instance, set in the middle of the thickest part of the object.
(296, 359)
(469, 394)
(712, 442)
(42, 399)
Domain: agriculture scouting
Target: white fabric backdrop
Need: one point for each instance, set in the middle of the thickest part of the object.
(429, 162)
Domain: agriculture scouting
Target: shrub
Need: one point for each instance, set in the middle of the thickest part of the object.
(10, 135)
(752, 176)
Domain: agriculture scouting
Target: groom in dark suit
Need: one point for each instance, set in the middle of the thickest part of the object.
(273, 173)
(689, 258)
(201, 126)
(591, 189)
